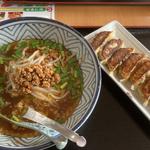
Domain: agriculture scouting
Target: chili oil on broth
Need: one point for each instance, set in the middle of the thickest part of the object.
(71, 81)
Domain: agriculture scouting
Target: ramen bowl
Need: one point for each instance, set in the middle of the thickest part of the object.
(39, 28)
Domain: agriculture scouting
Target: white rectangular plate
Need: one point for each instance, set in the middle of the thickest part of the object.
(129, 41)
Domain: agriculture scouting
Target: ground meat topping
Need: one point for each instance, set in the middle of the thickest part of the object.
(35, 75)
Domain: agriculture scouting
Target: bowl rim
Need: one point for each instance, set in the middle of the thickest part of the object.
(99, 77)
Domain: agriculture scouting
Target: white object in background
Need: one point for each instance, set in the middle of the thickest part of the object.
(14, 11)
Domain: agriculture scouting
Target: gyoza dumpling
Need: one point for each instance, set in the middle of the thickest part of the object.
(117, 57)
(109, 48)
(139, 73)
(99, 39)
(144, 90)
(129, 64)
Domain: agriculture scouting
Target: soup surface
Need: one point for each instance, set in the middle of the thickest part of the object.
(41, 74)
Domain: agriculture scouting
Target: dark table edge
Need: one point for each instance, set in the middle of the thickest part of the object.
(77, 3)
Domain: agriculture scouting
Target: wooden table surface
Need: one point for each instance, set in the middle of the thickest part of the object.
(98, 15)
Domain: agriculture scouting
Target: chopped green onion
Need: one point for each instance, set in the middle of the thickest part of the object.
(61, 47)
(4, 59)
(56, 86)
(64, 70)
(50, 44)
(21, 45)
(47, 43)
(34, 43)
(64, 79)
(79, 73)
(3, 48)
(1, 60)
(75, 74)
(58, 69)
(54, 46)
(71, 62)
(62, 53)
(17, 54)
(63, 85)
(15, 118)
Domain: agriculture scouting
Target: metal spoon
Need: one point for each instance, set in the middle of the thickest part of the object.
(59, 141)
(35, 116)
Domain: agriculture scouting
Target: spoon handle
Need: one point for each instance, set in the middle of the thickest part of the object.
(69, 134)
(59, 141)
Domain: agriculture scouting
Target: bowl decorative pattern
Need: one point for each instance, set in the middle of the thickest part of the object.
(38, 28)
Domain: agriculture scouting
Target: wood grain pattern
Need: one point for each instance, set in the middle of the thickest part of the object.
(98, 15)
